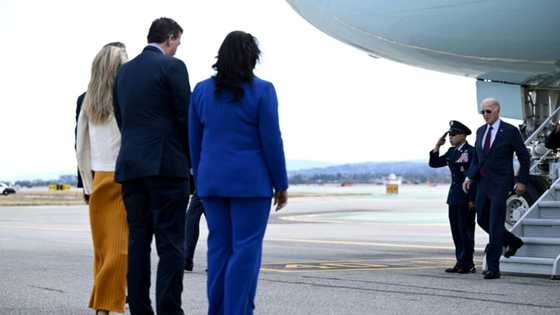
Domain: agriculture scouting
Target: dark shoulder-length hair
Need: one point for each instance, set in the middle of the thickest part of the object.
(237, 58)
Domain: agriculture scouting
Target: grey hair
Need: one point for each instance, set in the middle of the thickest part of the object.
(492, 101)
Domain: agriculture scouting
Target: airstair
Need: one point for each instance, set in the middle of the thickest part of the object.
(539, 228)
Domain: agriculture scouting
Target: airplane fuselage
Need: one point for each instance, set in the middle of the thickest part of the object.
(510, 41)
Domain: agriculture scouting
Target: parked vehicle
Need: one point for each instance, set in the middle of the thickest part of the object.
(6, 190)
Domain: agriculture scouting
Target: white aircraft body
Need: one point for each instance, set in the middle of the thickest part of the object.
(511, 41)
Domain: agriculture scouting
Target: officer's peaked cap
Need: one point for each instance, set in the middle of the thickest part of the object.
(457, 127)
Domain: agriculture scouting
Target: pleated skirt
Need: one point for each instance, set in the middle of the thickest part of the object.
(109, 232)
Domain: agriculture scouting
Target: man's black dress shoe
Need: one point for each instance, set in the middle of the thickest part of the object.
(189, 265)
(491, 275)
(512, 249)
(455, 269)
(471, 269)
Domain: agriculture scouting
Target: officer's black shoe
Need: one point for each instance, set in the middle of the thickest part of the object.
(189, 265)
(455, 269)
(512, 249)
(467, 270)
(492, 275)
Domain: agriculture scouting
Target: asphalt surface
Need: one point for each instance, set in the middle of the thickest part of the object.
(318, 259)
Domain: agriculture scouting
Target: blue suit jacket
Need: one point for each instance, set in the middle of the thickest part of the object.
(459, 162)
(498, 162)
(151, 108)
(236, 147)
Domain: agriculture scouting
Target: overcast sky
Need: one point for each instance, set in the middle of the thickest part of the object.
(337, 104)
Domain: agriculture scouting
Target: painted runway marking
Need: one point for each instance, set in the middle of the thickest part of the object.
(363, 243)
(378, 264)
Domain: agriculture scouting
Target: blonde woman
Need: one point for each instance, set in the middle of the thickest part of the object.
(97, 147)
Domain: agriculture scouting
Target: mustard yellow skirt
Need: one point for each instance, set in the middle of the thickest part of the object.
(109, 232)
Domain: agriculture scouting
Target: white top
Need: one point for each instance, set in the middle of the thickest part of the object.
(105, 141)
(495, 127)
(97, 148)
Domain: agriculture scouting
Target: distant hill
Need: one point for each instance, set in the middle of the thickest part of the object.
(400, 167)
(296, 165)
(371, 172)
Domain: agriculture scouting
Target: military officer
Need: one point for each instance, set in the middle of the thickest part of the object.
(461, 205)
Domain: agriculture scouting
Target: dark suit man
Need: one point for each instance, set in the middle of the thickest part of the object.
(78, 109)
(496, 141)
(192, 231)
(152, 97)
(461, 205)
(552, 141)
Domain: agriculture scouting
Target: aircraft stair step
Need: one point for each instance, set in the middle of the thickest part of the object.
(541, 222)
(549, 210)
(542, 247)
(541, 240)
(549, 204)
(527, 265)
(541, 228)
(528, 260)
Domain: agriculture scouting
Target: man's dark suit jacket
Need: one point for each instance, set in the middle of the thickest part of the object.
(459, 162)
(78, 109)
(151, 108)
(498, 163)
(552, 141)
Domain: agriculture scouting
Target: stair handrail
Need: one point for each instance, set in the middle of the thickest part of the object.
(542, 126)
(548, 151)
(556, 269)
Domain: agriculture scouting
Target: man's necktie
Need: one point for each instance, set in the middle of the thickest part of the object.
(486, 147)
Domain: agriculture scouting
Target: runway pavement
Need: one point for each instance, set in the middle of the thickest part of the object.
(323, 255)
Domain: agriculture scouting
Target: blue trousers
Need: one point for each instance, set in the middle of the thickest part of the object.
(236, 231)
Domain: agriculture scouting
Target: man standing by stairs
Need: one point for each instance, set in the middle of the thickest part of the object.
(492, 168)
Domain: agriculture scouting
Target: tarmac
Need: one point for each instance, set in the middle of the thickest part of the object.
(322, 255)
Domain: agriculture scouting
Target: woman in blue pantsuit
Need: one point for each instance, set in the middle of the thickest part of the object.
(238, 164)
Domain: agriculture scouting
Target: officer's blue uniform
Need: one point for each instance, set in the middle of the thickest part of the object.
(461, 218)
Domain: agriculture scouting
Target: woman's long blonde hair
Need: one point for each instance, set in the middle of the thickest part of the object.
(98, 103)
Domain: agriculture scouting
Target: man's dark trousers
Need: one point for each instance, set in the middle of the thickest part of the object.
(156, 206)
(491, 214)
(192, 222)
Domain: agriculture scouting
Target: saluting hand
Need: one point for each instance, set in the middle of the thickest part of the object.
(280, 199)
(440, 142)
